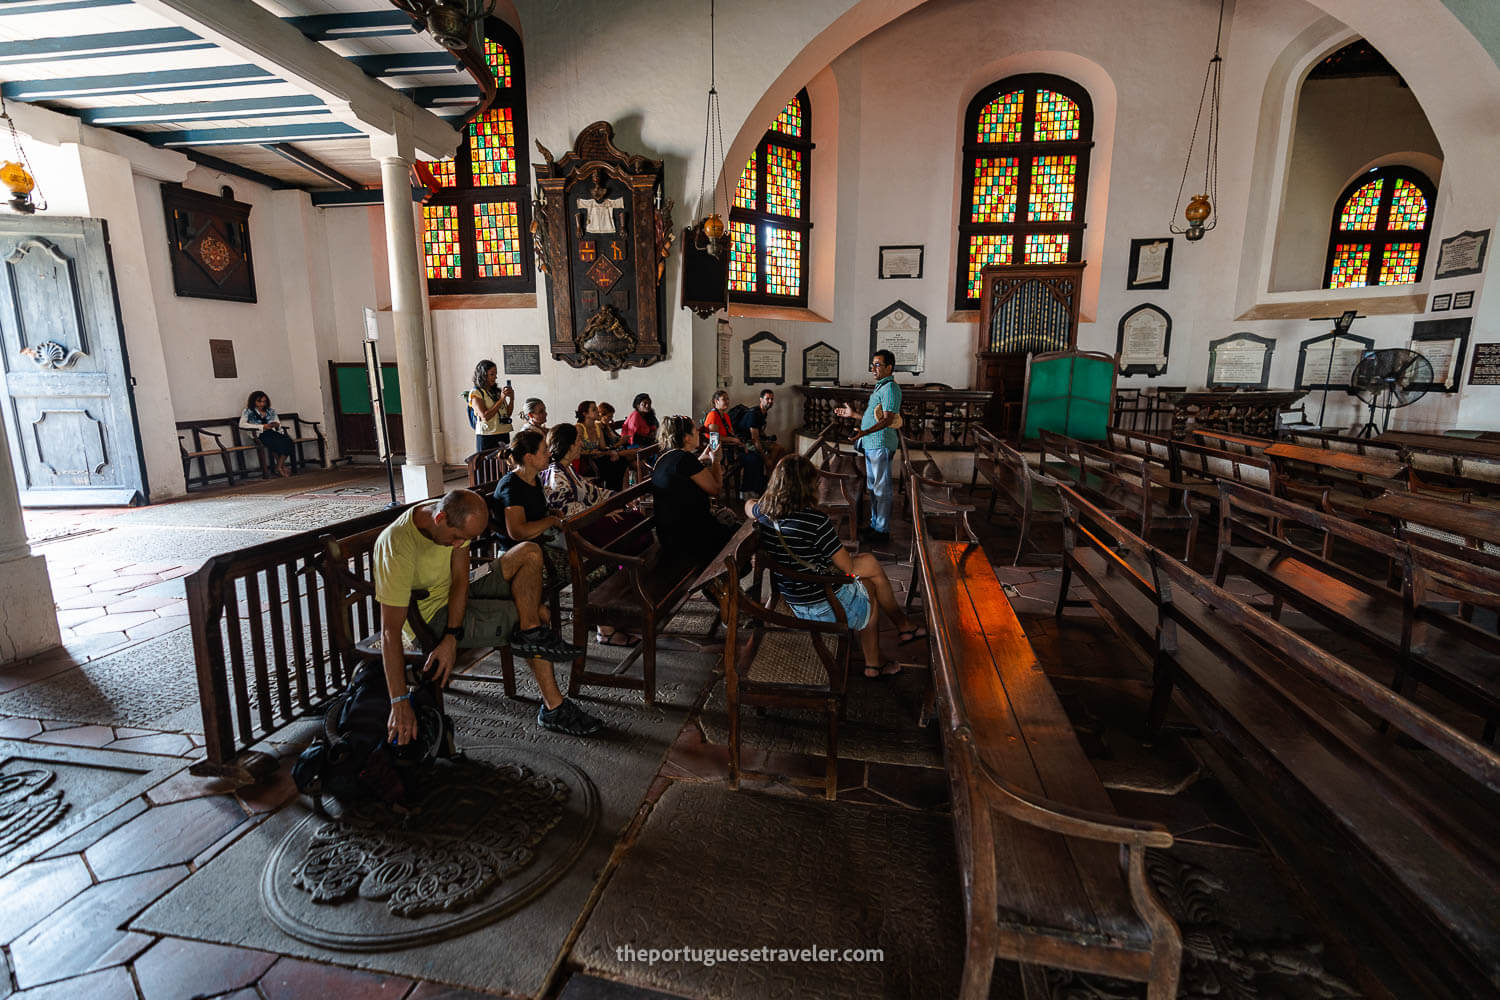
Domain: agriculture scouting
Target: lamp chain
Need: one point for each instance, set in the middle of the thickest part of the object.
(40, 200)
(1211, 94)
(713, 128)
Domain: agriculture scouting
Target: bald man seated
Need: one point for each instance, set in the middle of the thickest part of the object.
(427, 548)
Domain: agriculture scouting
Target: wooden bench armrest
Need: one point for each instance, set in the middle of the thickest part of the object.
(1069, 821)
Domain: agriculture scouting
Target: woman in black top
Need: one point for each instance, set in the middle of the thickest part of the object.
(681, 485)
(801, 537)
(518, 508)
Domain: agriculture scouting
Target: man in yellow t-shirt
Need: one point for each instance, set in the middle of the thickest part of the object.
(427, 548)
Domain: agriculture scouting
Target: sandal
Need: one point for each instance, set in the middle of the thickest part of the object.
(886, 670)
(911, 634)
(618, 638)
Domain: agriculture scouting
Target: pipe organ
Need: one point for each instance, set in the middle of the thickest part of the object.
(1022, 311)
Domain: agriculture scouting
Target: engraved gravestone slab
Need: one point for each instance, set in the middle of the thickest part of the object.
(492, 831)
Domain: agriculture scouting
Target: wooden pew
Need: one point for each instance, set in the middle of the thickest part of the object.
(1224, 441)
(1122, 484)
(488, 466)
(1051, 875)
(841, 480)
(1029, 495)
(224, 444)
(1398, 839)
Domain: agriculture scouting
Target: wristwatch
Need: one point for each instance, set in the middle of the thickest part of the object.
(457, 631)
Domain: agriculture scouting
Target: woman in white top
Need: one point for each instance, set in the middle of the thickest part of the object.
(490, 407)
(260, 418)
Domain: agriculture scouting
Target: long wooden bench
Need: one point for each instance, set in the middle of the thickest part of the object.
(225, 440)
(1052, 875)
(643, 589)
(1029, 496)
(1122, 484)
(1398, 836)
(1346, 585)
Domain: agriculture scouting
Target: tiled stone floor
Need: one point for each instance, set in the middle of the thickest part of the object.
(64, 918)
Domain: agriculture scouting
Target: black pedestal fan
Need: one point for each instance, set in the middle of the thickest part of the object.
(1391, 377)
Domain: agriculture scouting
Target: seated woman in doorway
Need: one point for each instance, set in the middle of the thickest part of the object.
(682, 484)
(800, 535)
(260, 417)
(568, 493)
(641, 426)
(609, 467)
(491, 407)
(518, 507)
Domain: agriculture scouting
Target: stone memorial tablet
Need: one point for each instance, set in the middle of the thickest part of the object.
(1486, 370)
(1242, 359)
(820, 364)
(1328, 362)
(725, 361)
(1144, 335)
(1462, 254)
(522, 359)
(222, 352)
(1443, 342)
(902, 330)
(765, 359)
(901, 261)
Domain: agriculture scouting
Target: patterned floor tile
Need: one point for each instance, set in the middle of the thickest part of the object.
(33, 891)
(166, 835)
(175, 969)
(19, 729)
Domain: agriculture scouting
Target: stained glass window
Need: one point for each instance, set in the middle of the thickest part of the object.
(440, 229)
(1380, 228)
(1027, 172)
(742, 257)
(770, 213)
(479, 208)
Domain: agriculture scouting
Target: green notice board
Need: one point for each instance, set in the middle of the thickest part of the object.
(1070, 392)
(354, 389)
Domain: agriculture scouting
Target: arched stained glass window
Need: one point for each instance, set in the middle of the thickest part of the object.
(477, 220)
(1380, 227)
(1026, 153)
(770, 216)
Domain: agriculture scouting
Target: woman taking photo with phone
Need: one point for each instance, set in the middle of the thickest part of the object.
(490, 407)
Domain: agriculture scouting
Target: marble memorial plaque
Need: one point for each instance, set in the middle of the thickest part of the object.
(1242, 359)
(765, 359)
(1330, 361)
(1145, 332)
(820, 364)
(1462, 254)
(902, 330)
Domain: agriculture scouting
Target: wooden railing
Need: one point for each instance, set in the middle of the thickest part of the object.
(940, 419)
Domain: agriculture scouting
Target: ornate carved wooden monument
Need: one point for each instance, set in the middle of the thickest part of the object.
(602, 232)
(1028, 309)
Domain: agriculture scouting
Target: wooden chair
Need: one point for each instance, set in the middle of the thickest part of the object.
(816, 682)
(488, 466)
(841, 481)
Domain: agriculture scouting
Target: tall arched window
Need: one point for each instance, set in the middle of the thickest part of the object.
(1380, 227)
(769, 219)
(477, 220)
(1026, 168)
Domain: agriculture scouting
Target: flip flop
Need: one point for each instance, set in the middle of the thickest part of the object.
(911, 634)
(611, 639)
(886, 670)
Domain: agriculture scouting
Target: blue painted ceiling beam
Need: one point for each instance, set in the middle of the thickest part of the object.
(364, 196)
(252, 135)
(8, 7)
(224, 166)
(113, 43)
(202, 111)
(396, 63)
(161, 81)
(353, 24)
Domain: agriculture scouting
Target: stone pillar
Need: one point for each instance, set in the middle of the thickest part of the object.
(422, 475)
(28, 618)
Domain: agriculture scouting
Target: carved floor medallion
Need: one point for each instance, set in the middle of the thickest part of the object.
(27, 805)
(493, 831)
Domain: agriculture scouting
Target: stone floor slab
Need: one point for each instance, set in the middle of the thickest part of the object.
(19, 729)
(84, 934)
(109, 984)
(78, 736)
(166, 835)
(33, 891)
(177, 969)
(293, 979)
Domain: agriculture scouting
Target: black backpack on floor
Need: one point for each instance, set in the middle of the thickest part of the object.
(737, 418)
(352, 761)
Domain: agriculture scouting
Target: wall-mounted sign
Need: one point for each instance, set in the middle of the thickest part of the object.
(1462, 254)
(765, 359)
(1486, 368)
(222, 352)
(901, 261)
(902, 330)
(522, 359)
(1145, 334)
(1443, 342)
(1441, 303)
(1463, 300)
(820, 364)
(1150, 263)
(1328, 362)
(1241, 360)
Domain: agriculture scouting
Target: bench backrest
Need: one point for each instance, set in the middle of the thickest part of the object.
(1238, 443)
(1123, 481)
(1342, 442)
(1196, 461)
(487, 466)
(1006, 468)
(1263, 520)
(1446, 577)
(591, 543)
(1153, 449)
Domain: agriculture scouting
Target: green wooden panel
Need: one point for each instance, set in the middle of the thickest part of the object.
(1070, 395)
(354, 389)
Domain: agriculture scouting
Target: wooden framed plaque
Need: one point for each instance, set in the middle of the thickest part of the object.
(1328, 362)
(208, 243)
(1240, 361)
(902, 330)
(820, 364)
(1441, 303)
(765, 359)
(1444, 343)
(1150, 263)
(1144, 337)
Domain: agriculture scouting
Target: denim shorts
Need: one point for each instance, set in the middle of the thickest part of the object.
(854, 598)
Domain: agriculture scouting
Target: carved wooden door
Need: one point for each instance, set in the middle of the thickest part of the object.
(1023, 310)
(68, 403)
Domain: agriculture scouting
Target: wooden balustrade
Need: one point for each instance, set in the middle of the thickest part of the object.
(940, 419)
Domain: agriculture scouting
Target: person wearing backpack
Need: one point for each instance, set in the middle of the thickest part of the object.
(489, 407)
(761, 450)
(427, 548)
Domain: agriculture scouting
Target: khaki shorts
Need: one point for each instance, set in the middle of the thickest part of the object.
(490, 616)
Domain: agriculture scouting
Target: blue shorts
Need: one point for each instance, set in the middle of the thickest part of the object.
(854, 598)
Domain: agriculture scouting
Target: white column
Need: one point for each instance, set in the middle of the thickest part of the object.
(28, 618)
(422, 475)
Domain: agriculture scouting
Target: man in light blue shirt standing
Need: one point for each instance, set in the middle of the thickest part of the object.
(877, 439)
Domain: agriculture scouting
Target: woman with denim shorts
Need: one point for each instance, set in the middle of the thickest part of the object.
(802, 536)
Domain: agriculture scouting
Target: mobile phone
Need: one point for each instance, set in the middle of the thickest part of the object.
(507, 383)
(713, 440)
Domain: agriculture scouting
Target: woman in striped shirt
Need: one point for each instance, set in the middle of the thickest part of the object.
(801, 536)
